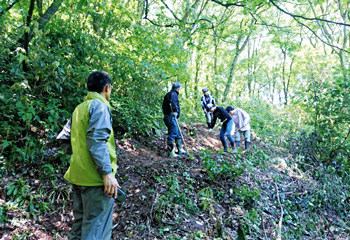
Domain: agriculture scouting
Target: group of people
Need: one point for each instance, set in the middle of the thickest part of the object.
(93, 162)
(233, 120)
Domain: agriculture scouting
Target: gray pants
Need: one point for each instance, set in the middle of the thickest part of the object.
(246, 136)
(93, 214)
(209, 117)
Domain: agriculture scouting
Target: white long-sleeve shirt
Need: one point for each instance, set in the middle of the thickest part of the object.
(241, 119)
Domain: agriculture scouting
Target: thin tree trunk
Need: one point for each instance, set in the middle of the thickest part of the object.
(286, 92)
(249, 70)
(26, 33)
(41, 22)
(215, 67)
(196, 79)
(273, 88)
(238, 51)
(55, 5)
(284, 51)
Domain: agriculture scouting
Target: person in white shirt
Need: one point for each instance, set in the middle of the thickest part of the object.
(241, 121)
(207, 101)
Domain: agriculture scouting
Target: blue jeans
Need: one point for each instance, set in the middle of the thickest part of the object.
(226, 130)
(93, 213)
(173, 130)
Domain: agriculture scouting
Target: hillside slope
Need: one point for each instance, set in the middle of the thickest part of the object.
(261, 194)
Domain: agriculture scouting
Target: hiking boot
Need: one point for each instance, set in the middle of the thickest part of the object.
(173, 154)
(247, 146)
(237, 144)
(179, 147)
(171, 150)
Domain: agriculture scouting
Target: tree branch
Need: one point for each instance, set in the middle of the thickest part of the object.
(49, 13)
(151, 21)
(306, 18)
(318, 37)
(8, 8)
(167, 7)
(226, 5)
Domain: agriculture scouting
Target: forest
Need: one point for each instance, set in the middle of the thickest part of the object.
(286, 63)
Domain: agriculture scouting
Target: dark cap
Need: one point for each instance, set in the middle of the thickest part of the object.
(176, 85)
(229, 109)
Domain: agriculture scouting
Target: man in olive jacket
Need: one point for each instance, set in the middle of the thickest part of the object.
(93, 163)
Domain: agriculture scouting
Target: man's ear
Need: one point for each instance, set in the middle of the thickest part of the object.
(106, 88)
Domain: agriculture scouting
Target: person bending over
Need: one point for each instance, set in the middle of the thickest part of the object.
(226, 128)
(241, 120)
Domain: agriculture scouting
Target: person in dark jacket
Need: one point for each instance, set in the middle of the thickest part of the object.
(227, 124)
(206, 100)
(171, 110)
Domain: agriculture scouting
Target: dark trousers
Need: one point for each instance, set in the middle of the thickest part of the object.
(173, 130)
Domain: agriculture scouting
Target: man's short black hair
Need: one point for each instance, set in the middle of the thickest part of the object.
(97, 80)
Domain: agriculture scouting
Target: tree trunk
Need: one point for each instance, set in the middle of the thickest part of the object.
(26, 33)
(25, 40)
(273, 87)
(238, 51)
(55, 5)
(215, 67)
(284, 51)
(249, 71)
(196, 79)
(286, 91)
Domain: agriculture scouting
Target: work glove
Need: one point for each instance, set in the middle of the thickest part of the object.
(211, 130)
(175, 114)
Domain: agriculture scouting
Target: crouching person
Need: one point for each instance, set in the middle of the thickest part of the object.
(241, 120)
(171, 111)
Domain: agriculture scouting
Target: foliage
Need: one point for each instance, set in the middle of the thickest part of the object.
(219, 167)
(174, 196)
(326, 99)
(292, 77)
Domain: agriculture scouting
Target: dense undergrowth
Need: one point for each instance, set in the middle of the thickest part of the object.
(205, 196)
(299, 164)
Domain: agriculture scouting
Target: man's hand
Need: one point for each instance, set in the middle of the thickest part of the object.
(111, 185)
(174, 114)
(211, 130)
